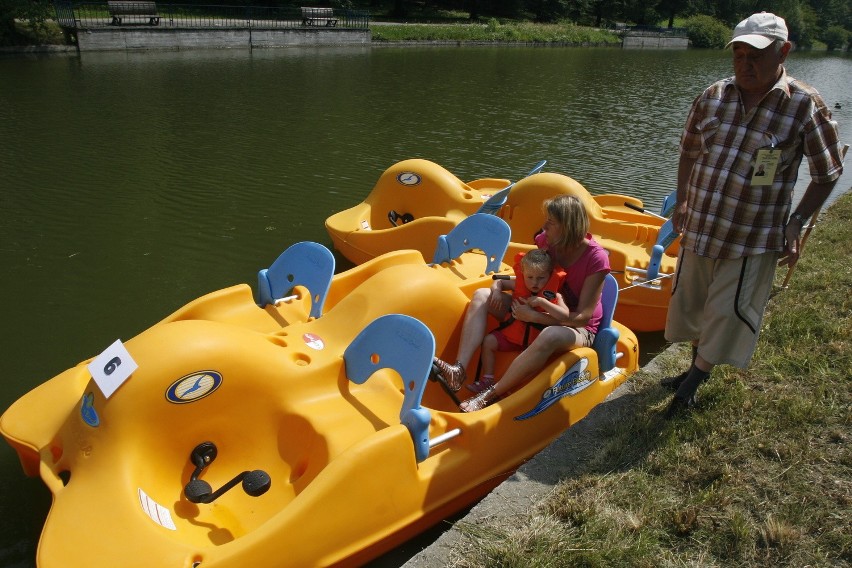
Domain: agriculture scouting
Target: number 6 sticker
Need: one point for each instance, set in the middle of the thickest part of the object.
(112, 367)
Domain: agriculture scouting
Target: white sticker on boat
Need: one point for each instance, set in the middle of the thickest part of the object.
(313, 341)
(112, 367)
(365, 225)
(157, 512)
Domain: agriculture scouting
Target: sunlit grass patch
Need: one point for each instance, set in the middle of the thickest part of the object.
(494, 31)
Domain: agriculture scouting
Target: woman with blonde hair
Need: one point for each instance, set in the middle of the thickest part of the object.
(572, 321)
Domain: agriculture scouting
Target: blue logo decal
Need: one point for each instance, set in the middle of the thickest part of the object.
(88, 412)
(408, 178)
(193, 387)
(575, 380)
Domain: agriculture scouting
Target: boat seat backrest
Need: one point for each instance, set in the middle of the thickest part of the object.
(305, 264)
(536, 168)
(496, 202)
(488, 233)
(668, 205)
(406, 345)
(607, 336)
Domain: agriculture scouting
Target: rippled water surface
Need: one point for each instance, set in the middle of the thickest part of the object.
(133, 183)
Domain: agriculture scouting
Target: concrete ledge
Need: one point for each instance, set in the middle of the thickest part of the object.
(659, 41)
(118, 39)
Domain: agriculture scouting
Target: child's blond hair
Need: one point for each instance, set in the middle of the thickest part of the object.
(537, 259)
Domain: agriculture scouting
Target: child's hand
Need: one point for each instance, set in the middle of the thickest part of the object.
(495, 300)
(522, 310)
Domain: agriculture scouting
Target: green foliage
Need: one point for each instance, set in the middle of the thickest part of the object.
(34, 12)
(809, 25)
(836, 37)
(708, 32)
(7, 22)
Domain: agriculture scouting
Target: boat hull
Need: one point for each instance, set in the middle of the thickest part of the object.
(346, 482)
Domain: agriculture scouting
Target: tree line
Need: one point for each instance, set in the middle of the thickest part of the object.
(828, 21)
(708, 22)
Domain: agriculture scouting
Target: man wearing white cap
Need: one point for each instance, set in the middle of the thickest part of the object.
(744, 139)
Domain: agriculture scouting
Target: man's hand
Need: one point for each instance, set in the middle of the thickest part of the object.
(679, 217)
(793, 243)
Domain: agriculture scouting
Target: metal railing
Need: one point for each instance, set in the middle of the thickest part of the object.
(98, 15)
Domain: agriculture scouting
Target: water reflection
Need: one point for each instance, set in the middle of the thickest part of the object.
(134, 182)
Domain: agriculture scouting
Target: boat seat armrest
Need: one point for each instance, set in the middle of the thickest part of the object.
(607, 336)
(665, 238)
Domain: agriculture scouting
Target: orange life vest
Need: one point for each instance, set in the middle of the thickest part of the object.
(521, 332)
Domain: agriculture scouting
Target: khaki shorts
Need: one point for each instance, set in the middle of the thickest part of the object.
(720, 303)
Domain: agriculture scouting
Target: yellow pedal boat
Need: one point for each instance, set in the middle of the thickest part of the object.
(343, 445)
(416, 200)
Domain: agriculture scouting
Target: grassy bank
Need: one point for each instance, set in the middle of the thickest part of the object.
(520, 32)
(759, 475)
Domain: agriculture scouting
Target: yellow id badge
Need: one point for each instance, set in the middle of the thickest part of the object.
(765, 165)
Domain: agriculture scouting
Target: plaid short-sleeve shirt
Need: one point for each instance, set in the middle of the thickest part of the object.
(727, 217)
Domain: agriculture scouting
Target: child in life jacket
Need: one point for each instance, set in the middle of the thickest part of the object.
(534, 277)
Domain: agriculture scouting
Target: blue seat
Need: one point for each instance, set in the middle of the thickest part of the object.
(607, 336)
(488, 233)
(537, 168)
(493, 204)
(404, 344)
(303, 264)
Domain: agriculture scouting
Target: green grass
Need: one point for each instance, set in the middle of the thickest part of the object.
(759, 475)
(522, 32)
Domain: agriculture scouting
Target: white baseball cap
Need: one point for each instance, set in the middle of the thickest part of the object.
(760, 30)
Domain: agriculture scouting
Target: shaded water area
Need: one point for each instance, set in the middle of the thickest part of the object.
(133, 183)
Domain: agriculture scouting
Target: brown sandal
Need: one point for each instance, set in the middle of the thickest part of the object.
(453, 375)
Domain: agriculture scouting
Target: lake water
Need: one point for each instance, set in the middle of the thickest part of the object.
(132, 183)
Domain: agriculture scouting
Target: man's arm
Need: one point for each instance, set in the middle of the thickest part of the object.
(684, 171)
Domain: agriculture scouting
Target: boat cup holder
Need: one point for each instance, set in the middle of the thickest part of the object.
(255, 482)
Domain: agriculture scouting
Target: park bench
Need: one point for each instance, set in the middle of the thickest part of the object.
(318, 17)
(119, 9)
